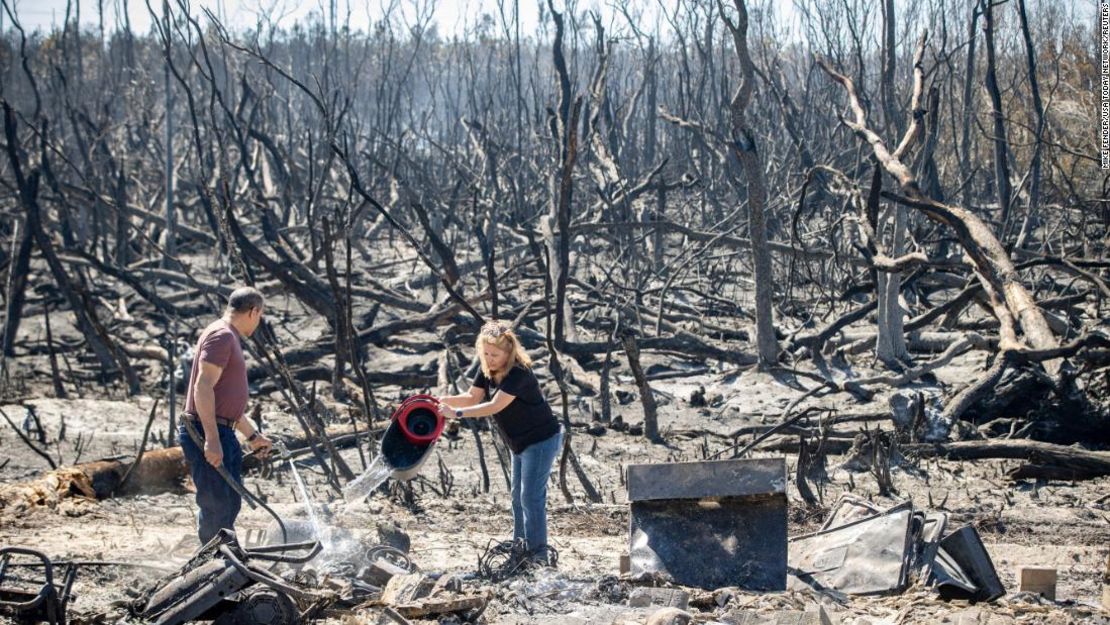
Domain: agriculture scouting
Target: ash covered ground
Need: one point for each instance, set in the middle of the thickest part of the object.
(450, 520)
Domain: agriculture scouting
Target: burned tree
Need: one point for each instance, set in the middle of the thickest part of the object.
(1009, 301)
(387, 183)
(745, 148)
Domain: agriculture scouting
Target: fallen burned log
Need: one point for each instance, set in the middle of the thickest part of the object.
(158, 470)
(682, 342)
(381, 334)
(1044, 460)
(324, 373)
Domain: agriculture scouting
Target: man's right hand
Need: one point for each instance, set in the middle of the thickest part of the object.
(213, 452)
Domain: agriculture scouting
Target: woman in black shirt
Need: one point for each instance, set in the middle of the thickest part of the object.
(506, 389)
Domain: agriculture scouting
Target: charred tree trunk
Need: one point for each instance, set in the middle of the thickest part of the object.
(169, 238)
(647, 397)
(564, 130)
(17, 285)
(890, 341)
(1001, 145)
(341, 324)
(968, 102)
(1032, 217)
(107, 353)
(744, 146)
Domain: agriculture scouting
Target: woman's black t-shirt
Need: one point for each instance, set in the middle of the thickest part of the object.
(528, 418)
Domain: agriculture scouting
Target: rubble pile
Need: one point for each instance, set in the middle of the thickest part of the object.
(862, 550)
(707, 544)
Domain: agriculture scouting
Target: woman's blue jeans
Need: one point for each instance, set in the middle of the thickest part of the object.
(219, 503)
(531, 469)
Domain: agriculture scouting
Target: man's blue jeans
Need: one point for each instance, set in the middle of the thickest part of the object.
(531, 469)
(218, 502)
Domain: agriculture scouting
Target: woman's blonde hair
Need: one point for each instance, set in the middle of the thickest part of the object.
(500, 335)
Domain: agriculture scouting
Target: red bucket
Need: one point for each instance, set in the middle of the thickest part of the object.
(419, 419)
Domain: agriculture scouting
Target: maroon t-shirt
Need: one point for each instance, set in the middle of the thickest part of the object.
(219, 345)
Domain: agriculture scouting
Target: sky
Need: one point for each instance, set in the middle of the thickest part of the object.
(451, 16)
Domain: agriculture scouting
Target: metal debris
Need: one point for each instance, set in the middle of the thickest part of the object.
(710, 524)
(38, 598)
(812, 615)
(866, 556)
(965, 548)
(224, 578)
(664, 597)
(864, 550)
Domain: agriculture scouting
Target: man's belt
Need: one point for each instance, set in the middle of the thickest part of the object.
(219, 420)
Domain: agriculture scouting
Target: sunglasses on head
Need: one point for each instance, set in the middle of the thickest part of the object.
(494, 329)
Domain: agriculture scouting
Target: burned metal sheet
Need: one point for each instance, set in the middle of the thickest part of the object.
(710, 524)
(849, 508)
(966, 549)
(712, 478)
(927, 542)
(867, 556)
(950, 579)
(862, 550)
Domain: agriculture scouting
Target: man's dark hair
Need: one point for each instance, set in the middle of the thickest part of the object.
(243, 299)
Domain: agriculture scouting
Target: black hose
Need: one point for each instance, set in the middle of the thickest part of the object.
(251, 500)
(502, 560)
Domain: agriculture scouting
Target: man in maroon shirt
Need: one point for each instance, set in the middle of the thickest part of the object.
(215, 401)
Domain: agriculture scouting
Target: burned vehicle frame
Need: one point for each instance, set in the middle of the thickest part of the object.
(30, 600)
(223, 582)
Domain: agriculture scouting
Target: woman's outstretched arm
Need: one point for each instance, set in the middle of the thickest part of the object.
(500, 401)
(470, 398)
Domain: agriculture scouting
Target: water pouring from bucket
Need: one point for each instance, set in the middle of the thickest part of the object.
(407, 443)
